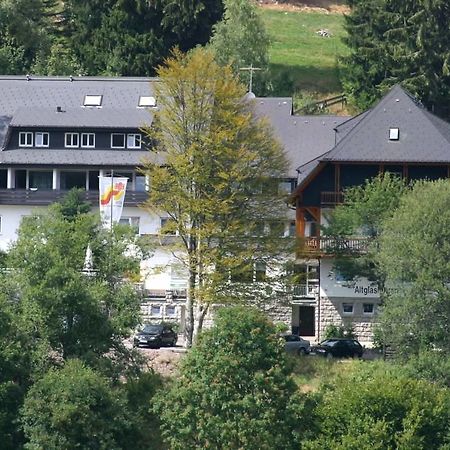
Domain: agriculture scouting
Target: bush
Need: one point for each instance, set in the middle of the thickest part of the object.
(339, 331)
(74, 407)
(378, 407)
(234, 389)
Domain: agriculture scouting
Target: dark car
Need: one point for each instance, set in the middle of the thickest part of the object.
(155, 336)
(296, 344)
(339, 348)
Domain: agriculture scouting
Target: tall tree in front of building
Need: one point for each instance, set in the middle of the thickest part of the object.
(218, 184)
(240, 39)
(415, 254)
(400, 41)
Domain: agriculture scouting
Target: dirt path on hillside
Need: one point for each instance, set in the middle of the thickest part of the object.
(323, 6)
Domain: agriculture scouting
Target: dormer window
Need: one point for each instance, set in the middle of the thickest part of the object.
(93, 100)
(87, 140)
(134, 141)
(117, 140)
(41, 139)
(71, 140)
(394, 134)
(25, 139)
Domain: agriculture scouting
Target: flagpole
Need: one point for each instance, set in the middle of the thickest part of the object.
(112, 198)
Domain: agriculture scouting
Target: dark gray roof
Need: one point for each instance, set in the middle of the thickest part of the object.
(304, 138)
(423, 137)
(77, 157)
(34, 102)
(82, 117)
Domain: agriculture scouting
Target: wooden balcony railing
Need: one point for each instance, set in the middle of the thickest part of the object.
(45, 197)
(329, 245)
(331, 198)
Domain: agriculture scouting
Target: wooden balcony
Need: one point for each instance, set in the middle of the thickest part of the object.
(331, 198)
(41, 197)
(324, 245)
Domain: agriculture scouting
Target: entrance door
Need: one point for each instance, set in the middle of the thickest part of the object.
(306, 321)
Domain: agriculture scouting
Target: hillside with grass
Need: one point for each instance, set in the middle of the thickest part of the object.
(306, 44)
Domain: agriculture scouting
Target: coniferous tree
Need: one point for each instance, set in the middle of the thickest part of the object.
(398, 41)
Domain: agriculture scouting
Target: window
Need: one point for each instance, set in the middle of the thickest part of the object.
(71, 140)
(292, 228)
(117, 140)
(394, 134)
(260, 271)
(168, 226)
(93, 100)
(347, 308)
(25, 139)
(146, 101)
(72, 179)
(41, 139)
(88, 140)
(277, 228)
(134, 141)
(368, 308)
(140, 184)
(132, 222)
(155, 310)
(242, 273)
(40, 179)
(171, 311)
(286, 186)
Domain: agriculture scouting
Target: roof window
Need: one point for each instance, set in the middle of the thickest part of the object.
(394, 134)
(146, 101)
(93, 100)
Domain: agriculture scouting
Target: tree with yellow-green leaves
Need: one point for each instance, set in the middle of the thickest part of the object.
(218, 184)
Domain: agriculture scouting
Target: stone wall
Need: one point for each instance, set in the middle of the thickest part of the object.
(330, 312)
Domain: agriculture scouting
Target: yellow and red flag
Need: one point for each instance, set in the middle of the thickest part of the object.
(112, 194)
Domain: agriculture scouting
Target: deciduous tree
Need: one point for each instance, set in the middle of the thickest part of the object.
(219, 182)
(234, 389)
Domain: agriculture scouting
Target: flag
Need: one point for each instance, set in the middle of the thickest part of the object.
(112, 195)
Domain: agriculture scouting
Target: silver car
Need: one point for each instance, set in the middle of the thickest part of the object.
(296, 344)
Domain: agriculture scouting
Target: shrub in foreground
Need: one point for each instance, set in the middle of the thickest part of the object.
(234, 389)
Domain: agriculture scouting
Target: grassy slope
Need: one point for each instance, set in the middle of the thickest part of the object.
(297, 52)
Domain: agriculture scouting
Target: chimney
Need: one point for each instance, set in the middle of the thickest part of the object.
(59, 109)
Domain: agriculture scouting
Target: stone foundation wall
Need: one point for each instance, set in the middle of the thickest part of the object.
(363, 324)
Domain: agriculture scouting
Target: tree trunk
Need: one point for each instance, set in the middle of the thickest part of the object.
(200, 315)
(190, 302)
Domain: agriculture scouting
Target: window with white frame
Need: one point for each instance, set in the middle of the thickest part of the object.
(171, 311)
(155, 310)
(347, 308)
(146, 101)
(88, 140)
(117, 140)
(134, 140)
(131, 221)
(41, 139)
(368, 308)
(93, 100)
(25, 139)
(71, 140)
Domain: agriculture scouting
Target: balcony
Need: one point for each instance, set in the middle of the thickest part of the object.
(305, 291)
(331, 198)
(322, 245)
(45, 197)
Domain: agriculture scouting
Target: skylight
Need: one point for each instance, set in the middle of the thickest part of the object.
(394, 134)
(92, 100)
(146, 101)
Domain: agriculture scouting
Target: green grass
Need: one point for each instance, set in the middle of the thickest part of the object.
(301, 57)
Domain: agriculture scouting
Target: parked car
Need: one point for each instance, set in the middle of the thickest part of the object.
(296, 344)
(339, 348)
(155, 336)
